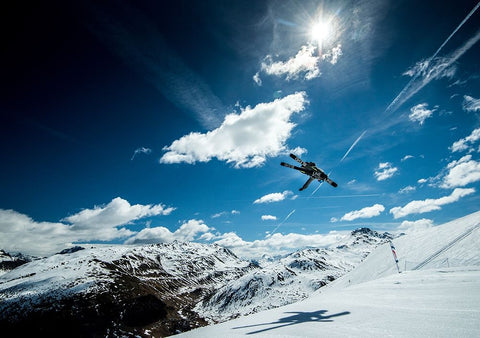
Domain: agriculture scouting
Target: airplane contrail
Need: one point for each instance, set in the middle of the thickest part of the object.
(284, 220)
(413, 86)
(353, 145)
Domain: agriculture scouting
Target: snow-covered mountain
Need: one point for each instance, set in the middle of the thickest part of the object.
(9, 262)
(437, 293)
(165, 288)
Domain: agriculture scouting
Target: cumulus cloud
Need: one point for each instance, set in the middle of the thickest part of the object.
(415, 226)
(273, 197)
(420, 207)
(186, 232)
(467, 142)
(269, 218)
(461, 172)
(245, 139)
(367, 212)
(470, 103)
(19, 232)
(385, 171)
(117, 212)
(420, 113)
(305, 62)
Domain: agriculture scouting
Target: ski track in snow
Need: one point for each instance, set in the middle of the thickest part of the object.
(442, 299)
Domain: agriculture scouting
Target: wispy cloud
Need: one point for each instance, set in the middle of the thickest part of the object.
(420, 113)
(384, 171)
(467, 142)
(470, 103)
(141, 150)
(273, 197)
(423, 206)
(246, 139)
(433, 68)
(269, 218)
(134, 38)
(367, 212)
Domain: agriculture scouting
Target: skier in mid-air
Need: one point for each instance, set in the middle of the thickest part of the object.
(310, 169)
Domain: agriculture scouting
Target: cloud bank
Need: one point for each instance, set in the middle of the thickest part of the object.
(420, 207)
(245, 139)
(186, 232)
(19, 232)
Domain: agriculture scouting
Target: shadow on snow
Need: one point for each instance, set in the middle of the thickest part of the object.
(296, 318)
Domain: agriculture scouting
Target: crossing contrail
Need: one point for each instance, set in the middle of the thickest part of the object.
(413, 86)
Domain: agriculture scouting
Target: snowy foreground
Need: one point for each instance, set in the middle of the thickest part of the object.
(436, 295)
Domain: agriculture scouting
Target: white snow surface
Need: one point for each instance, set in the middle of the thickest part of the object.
(436, 295)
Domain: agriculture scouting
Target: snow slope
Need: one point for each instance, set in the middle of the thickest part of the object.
(441, 298)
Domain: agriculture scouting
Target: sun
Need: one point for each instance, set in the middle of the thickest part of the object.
(320, 31)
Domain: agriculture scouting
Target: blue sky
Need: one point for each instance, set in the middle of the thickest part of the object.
(138, 122)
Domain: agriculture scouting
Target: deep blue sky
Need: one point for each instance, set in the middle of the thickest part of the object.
(99, 103)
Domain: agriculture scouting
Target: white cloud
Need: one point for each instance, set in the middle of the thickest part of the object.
(470, 103)
(269, 218)
(225, 213)
(461, 172)
(273, 197)
(186, 232)
(420, 113)
(407, 189)
(333, 55)
(257, 79)
(278, 244)
(422, 181)
(141, 150)
(467, 142)
(420, 207)
(367, 212)
(406, 157)
(305, 62)
(19, 232)
(415, 226)
(385, 171)
(116, 213)
(245, 139)
(431, 69)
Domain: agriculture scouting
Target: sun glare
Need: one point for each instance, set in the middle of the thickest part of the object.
(320, 31)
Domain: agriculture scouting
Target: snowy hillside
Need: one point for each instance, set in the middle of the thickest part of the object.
(438, 295)
(165, 288)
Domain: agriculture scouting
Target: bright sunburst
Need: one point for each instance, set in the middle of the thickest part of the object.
(320, 31)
